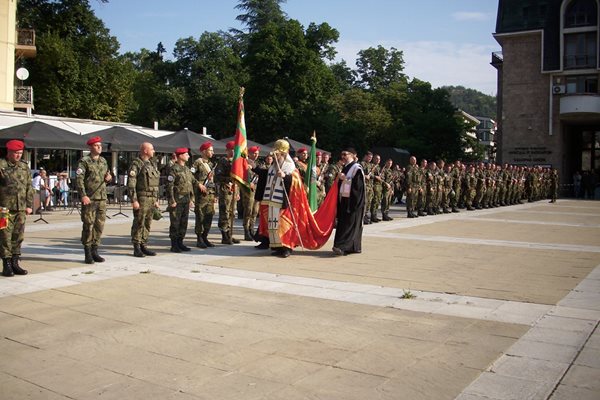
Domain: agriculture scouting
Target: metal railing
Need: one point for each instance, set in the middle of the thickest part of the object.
(26, 37)
(24, 95)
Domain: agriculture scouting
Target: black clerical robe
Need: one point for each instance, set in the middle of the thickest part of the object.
(350, 211)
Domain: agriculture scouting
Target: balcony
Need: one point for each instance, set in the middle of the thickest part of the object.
(24, 97)
(580, 107)
(497, 59)
(25, 46)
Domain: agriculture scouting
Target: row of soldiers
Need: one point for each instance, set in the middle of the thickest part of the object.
(433, 188)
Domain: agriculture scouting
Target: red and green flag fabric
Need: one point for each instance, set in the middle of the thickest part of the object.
(310, 179)
(239, 164)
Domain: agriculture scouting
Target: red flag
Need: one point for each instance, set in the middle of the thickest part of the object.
(239, 165)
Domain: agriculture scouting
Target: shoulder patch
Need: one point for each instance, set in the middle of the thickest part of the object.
(193, 170)
(79, 171)
(132, 173)
(170, 178)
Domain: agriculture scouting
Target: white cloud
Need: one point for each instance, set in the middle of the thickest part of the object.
(440, 63)
(470, 16)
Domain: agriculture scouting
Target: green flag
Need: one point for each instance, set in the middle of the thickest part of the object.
(310, 179)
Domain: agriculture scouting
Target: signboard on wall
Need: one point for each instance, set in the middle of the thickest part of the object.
(529, 155)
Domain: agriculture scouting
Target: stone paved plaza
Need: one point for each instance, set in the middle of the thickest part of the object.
(492, 304)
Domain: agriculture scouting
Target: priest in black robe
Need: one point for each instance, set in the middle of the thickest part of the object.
(350, 210)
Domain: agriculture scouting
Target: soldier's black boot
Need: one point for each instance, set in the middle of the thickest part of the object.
(88, 255)
(200, 242)
(16, 267)
(7, 267)
(137, 251)
(374, 218)
(174, 247)
(233, 240)
(247, 235)
(147, 251)
(95, 254)
(182, 246)
(387, 218)
(225, 238)
(205, 238)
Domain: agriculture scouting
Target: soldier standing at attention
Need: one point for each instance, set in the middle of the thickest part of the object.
(387, 174)
(16, 201)
(142, 183)
(180, 184)
(367, 167)
(301, 164)
(377, 187)
(250, 206)
(92, 176)
(412, 187)
(226, 191)
(204, 194)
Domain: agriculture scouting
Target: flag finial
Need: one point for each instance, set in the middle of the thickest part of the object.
(242, 90)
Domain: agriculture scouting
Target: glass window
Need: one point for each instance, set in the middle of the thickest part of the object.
(580, 50)
(582, 84)
(581, 13)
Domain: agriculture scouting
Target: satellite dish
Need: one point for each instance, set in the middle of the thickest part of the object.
(22, 73)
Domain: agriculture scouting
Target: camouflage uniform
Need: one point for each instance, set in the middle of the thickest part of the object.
(91, 183)
(377, 192)
(249, 205)
(456, 186)
(387, 192)
(142, 183)
(368, 171)
(330, 175)
(180, 183)
(204, 203)
(412, 190)
(225, 191)
(16, 194)
(470, 189)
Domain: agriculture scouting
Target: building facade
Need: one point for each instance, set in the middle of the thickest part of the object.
(548, 73)
(15, 45)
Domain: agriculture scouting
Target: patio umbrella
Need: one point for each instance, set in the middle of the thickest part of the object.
(119, 138)
(189, 139)
(264, 149)
(39, 135)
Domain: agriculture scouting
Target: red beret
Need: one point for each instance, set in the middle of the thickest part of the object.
(15, 145)
(95, 139)
(254, 149)
(319, 153)
(230, 145)
(205, 146)
(181, 150)
(301, 150)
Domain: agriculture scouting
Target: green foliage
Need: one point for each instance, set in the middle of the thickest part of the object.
(472, 101)
(293, 87)
(77, 71)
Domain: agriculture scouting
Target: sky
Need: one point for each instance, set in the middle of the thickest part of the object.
(444, 42)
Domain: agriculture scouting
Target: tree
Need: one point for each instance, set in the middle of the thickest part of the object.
(259, 13)
(377, 68)
(472, 101)
(289, 84)
(77, 72)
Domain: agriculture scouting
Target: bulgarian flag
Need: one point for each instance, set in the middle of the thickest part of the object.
(310, 179)
(239, 164)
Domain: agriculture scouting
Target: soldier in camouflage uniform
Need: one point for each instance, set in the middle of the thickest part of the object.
(422, 189)
(470, 187)
(412, 187)
(92, 176)
(387, 175)
(377, 187)
(553, 185)
(226, 192)
(16, 201)
(142, 183)
(331, 174)
(249, 204)
(367, 167)
(180, 192)
(447, 184)
(204, 194)
(456, 186)
(430, 187)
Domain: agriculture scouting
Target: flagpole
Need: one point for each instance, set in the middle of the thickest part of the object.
(235, 182)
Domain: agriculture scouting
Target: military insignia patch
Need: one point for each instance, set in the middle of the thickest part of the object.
(193, 170)
(170, 178)
(79, 171)
(132, 173)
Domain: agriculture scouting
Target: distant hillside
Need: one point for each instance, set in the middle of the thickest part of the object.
(472, 101)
